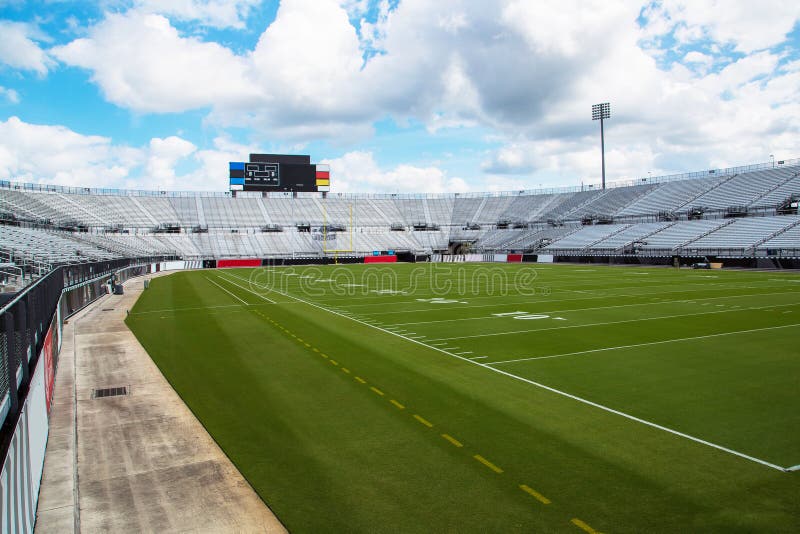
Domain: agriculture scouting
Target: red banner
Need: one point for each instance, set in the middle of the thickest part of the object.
(239, 263)
(380, 259)
(49, 367)
(514, 258)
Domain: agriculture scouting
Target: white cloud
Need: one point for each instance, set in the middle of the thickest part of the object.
(9, 94)
(19, 48)
(699, 60)
(215, 13)
(72, 158)
(526, 72)
(141, 62)
(357, 171)
(163, 156)
(748, 26)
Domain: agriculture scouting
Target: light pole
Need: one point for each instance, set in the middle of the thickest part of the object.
(600, 112)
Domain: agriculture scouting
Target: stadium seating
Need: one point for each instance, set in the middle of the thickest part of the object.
(669, 196)
(788, 239)
(742, 189)
(741, 234)
(216, 225)
(681, 233)
(586, 237)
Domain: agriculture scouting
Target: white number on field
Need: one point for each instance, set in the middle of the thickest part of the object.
(525, 316)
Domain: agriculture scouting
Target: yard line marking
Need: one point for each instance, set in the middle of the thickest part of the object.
(511, 332)
(465, 352)
(478, 357)
(487, 463)
(377, 391)
(793, 468)
(452, 440)
(333, 362)
(551, 389)
(397, 404)
(323, 354)
(423, 421)
(242, 287)
(228, 292)
(315, 349)
(190, 308)
(620, 296)
(682, 301)
(361, 380)
(535, 494)
(644, 344)
(583, 526)
(345, 370)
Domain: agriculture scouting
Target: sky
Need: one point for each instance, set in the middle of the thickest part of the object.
(396, 95)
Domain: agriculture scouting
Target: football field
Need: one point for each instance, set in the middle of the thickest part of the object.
(494, 397)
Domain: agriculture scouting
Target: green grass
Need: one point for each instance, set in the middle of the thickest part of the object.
(313, 427)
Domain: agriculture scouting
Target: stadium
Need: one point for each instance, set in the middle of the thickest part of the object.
(394, 266)
(539, 360)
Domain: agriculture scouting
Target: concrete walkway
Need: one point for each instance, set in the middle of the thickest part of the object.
(135, 463)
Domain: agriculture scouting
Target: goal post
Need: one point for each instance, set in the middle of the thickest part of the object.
(337, 250)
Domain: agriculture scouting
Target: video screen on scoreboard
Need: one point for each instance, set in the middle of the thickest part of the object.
(278, 172)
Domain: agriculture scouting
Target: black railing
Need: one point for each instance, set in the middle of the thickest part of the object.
(25, 319)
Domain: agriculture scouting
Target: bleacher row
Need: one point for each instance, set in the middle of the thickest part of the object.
(215, 226)
(756, 235)
(762, 189)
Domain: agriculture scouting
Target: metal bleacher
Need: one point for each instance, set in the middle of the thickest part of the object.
(742, 189)
(66, 225)
(741, 234)
(586, 237)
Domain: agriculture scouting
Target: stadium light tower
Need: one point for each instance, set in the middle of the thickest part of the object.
(600, 112)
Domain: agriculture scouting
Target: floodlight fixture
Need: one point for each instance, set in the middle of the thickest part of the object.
(601, 112)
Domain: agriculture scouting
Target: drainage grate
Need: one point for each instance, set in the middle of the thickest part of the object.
(109, 392)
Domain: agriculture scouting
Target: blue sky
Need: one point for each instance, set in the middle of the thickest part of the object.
(400, 95)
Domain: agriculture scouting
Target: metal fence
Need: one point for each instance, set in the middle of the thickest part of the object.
(25, 319)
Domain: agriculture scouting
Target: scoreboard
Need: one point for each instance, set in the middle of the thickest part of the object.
(278, 172)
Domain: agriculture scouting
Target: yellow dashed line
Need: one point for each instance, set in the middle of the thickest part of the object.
(315, 349)
(535, 494)
(376, 390)
(299, 339)
(323, 354)
(361, 380)
(583, 526)
(487, 463)
(397, 404)
(423, 420)
(333, 362)
(345, 370)
(307, 345)
(452, 440)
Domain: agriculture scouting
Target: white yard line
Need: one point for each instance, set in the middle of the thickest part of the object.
(644, 344)
(190, 309)
(542, 386)
(614, 322)
(514, 303)
(228, 292)
(682, 301)
(242, 287)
